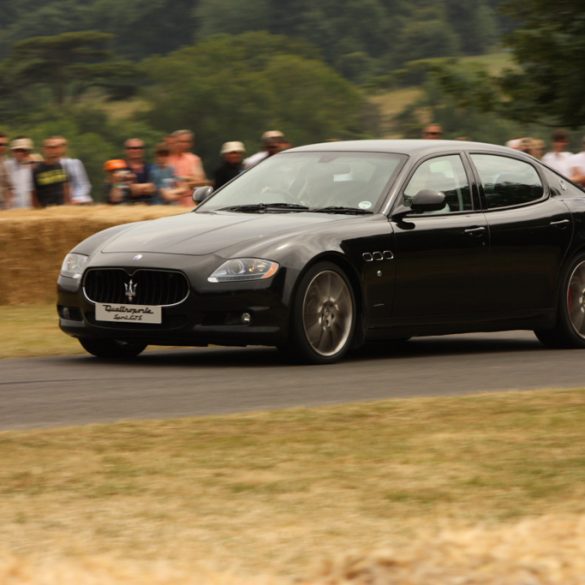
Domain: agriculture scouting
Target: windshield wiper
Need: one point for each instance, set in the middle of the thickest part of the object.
(341, 209)
(263, 207)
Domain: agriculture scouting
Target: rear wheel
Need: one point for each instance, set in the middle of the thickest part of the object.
(569, 331)
(112, 348)
(324, 315)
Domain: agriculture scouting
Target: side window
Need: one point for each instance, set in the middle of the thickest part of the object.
(507, 181)
(445, 174)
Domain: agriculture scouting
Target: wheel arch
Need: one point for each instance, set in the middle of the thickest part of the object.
(349, 270)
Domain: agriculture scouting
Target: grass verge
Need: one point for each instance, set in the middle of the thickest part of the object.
(33, 330)
(272, 492)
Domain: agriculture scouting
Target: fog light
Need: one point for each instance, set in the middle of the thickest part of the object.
(246, 318)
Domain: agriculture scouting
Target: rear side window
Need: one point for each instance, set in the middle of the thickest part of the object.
(506, 181)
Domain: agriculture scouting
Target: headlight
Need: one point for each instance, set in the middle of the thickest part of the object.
(240, 269)
(73, 265)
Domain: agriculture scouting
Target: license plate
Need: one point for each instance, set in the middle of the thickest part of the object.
(118, 313)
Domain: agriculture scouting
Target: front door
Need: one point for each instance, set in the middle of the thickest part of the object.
(440, 256)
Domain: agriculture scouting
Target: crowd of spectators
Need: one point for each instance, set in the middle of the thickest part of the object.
(29, 179)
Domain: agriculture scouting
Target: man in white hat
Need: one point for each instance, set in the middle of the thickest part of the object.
(232, 154)
(20, 168)
(271, 144)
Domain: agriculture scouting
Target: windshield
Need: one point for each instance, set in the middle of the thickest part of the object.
(300, 181)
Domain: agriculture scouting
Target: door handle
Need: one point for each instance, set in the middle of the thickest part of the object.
(561, 223)
(475, 232)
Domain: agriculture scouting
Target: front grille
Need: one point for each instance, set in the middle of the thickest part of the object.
(143, 287)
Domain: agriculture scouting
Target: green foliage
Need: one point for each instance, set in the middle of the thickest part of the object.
(139, 28)
(546, 86)
(461, 98)
(228, 16)
(68, 64)
(234, 87)
(549, 44)
(426, 38)
(475, 24)
(360, 39)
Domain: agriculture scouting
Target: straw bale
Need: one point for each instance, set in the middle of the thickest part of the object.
(549, 550)
(541, 551)
(34, 242)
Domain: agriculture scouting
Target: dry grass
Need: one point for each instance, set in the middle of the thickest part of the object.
(33, 331)
(450, 487)
(496, 63)
(34, 242)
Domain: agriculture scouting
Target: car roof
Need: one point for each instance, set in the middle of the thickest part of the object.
(419, 147)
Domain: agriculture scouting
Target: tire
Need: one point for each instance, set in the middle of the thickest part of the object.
(569, 331)
(112, 348)
(324, 315)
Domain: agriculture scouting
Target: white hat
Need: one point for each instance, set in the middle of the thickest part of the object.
(232, 147)
(22, 144)
(271, 134)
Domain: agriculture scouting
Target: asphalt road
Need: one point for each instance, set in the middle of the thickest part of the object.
(70, 390)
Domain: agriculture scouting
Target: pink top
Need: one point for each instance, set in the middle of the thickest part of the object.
(187, 166)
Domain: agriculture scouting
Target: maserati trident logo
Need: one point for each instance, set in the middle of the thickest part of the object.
(130, 290)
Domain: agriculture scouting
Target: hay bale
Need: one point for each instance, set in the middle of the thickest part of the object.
(34, 242)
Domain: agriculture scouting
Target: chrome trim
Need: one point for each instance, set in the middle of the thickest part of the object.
(95, 268)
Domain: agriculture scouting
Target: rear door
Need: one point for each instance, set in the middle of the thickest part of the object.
(530, 232)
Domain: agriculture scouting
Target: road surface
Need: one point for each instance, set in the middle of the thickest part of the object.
(71, 390)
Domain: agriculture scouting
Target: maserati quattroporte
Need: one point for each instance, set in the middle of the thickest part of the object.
(321, 248)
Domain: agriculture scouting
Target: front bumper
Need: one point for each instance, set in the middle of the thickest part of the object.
(210, 314)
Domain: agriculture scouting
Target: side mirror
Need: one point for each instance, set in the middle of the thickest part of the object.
(428, 200)
(424, 200)
(200, 194)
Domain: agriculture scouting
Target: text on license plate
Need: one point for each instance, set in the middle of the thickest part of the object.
(118, 313)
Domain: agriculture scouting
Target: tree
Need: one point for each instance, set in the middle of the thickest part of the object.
(447, 100)
(475, 25)
(549, 46)
(546, 85)
(235, 87)
(68, 63)
(227, 16)
(142, 29)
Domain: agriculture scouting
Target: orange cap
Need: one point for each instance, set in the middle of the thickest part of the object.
(115, 164)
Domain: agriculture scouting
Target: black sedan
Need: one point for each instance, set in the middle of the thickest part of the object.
(323, 247)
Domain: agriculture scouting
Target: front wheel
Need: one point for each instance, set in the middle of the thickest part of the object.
(569, 331)
(112, 348)
(324, 315)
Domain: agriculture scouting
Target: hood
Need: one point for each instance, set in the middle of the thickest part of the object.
(208, 233)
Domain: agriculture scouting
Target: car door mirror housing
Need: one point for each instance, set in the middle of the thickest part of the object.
(424, 200)
(428, 200)
(200, 194)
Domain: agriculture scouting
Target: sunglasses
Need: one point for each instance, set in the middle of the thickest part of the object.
(135, 148)
(433, 133)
